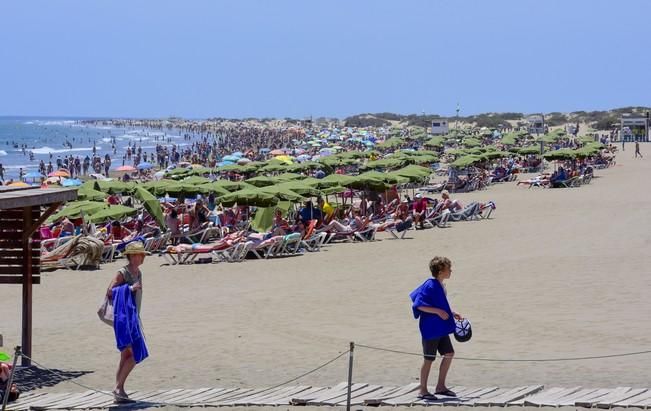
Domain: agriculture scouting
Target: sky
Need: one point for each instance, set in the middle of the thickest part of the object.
(334, 58)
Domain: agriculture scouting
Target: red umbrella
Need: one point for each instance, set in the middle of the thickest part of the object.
(126, 168)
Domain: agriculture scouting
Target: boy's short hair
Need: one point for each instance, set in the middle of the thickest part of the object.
(437, 264)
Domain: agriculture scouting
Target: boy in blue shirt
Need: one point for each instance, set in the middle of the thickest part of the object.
(436, 323)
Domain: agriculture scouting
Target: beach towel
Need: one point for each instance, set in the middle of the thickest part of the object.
(432, 294)
(126, 323)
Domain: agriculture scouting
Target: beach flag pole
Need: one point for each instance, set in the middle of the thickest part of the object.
(10, 381)
(350, 375)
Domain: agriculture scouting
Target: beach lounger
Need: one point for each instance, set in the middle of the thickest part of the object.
(289, 245)
(470, 212)
(399, 231)
(486, 209)
(314, 242)
(265, 249)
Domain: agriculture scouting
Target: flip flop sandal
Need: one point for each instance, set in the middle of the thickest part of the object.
(447, 393)
(427, 397)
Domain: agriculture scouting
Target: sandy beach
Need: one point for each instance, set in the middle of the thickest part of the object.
(555, 273)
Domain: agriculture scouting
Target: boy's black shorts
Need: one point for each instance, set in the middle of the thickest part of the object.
(443, 345)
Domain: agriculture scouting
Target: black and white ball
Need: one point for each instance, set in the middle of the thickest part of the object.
(462, 330)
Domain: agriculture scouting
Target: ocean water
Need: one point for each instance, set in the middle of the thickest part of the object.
(45, 138)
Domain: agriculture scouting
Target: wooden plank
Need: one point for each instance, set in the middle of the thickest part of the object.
(358, 397)
(281, 398)
(160, 396)
(328, 395)
(29, 197)
(23, 403)
(629, 402)
(18, 261)
(186, 398)
(182, 398)
(375, 398)
(366, 388)
(236, 393)
(469, 395)
(71, 398)
(96, 400)
(18, 252)
(409, 398)
(48, 400)
(569, 398)
(163, 397)
(10, 279)
(178, 397)
(546, 397)
(645, 403)
(303, 400)
(587, 398)
(252, 396)
(511, 395)
(216, 395)
(609, 402)
(262, 397)
(212, 392)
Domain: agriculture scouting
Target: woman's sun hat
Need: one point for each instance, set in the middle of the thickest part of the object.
(462, 330)
(135, 247)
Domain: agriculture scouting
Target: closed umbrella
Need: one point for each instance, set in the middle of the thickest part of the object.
(151, 204)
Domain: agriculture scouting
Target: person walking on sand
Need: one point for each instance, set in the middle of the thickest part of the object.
(637, 150)
(134, 351)
(436, 322)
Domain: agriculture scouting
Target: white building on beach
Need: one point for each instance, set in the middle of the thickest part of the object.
(440, 126)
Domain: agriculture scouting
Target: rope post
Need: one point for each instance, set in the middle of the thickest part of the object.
(350, 375)
(10, 381)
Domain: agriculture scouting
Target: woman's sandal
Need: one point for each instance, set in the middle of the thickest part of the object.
(447, 393)
(427, 397)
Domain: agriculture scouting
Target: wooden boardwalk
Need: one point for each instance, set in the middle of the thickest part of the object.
(362, 395)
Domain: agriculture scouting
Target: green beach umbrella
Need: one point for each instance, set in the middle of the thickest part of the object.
(114, 212)
(386, 177)
(231, 185)
(214, 188)
(151, 204)
(283, 193)
(88, 193)
(301, 188)
(262, 181)
(466, 161)
(76, 209)
(195, 180)
(528, 150)
(251, 197)
(289, 177)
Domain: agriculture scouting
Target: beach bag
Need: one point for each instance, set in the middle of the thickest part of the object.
(105, 311)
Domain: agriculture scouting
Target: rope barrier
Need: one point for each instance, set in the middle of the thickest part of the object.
(112, 395)
(595, 357)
